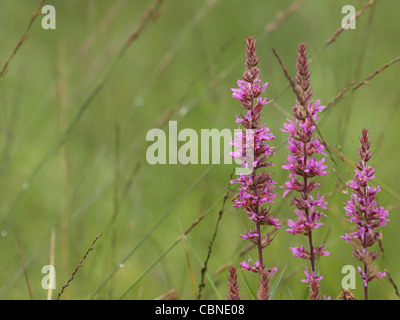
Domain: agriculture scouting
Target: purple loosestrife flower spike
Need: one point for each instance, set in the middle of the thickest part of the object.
(255, 188)
(233, 288)
(263, 290)
(364, 211)
(303, 166)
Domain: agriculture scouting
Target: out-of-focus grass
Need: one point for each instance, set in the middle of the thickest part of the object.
(181, 68)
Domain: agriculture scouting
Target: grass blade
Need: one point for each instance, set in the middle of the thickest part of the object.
(221, 212)
(206, 273)
(248, 287)
(25, 272)
(173, 245)
(276, 284)
(155, 226)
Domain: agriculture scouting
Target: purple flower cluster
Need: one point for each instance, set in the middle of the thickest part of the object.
(364, 211)
(303, 166)
(305, 162)
(256, 188)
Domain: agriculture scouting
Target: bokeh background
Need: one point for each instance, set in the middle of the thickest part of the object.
(75, 108)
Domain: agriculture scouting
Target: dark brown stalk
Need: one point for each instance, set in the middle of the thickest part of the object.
(340, 95)
(337, 33)
(78, 266)
(220, 214)
(291, 81)
(23, 38)
(351, 86)
(341, 29)
(382, 249)
(151, 12)
(371, 76)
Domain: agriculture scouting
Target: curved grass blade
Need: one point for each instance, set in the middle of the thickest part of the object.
(248, 287)
(276, 284)
(206, 273)
(173, 245)
(155, 226)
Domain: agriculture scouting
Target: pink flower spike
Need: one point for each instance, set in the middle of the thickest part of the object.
(305, 161)
(255, 189)
(363, 210)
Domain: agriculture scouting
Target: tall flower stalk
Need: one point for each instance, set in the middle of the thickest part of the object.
(256, 187)
(304, 166)
(364, 211)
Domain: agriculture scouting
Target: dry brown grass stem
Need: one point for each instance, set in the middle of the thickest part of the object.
(340, 95)
(101, 27)
(331, 40)
(291, 80)
(271, 27)
(393, 207)
(24, 267)
(372, 75)
(220, 214)
(351, 86)
(383, 186)
(341, 29)
(78, 266)
(283, 16)
(23, 38)
(170, 294)
(150, 14)
(389, 277)
(177, 43)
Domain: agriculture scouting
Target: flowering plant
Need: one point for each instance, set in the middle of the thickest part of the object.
(364, 211)
(305, 162)
(256, 188)
(303, 166)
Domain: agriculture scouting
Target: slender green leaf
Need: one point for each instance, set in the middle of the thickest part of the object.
(159, 258)
(248, 287)
(276, 284)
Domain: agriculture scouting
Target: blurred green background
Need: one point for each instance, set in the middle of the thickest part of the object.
(181, 67)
